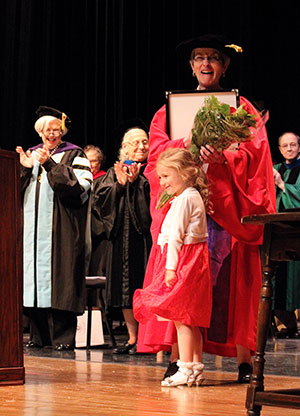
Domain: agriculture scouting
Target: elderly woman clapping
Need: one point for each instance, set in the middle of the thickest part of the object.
(55, 182)
(124, 197)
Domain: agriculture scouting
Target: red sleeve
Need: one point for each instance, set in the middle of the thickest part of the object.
(244, 186)
(158, 142)
(159, 139)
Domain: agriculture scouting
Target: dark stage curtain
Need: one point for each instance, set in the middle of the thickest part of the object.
(104, 61)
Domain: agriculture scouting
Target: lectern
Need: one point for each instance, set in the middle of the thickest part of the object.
(11, 272)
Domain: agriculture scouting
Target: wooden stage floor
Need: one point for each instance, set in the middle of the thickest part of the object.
(63, 387)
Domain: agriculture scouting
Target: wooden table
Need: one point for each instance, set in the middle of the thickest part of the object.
(281, 243)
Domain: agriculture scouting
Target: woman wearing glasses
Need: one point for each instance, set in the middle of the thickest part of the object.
(123, 201)
(241, 184)
(55, 183)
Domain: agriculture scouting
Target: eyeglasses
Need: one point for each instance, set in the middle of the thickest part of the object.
(286, 145)
(55, 132)
(212, 59)
(136, 143)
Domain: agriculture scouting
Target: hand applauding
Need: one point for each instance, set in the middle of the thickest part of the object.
(42, 154)
(26, 159)
(126, 172)
(278, 180)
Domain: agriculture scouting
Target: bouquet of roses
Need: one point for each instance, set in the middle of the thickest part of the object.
(220, 125)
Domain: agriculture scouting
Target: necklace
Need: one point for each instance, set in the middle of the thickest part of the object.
(41, 167)
(53, 150)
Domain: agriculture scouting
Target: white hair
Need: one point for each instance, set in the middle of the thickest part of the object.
(42, 123)
(127, 139)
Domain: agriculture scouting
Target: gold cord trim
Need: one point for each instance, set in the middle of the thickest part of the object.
(237, 48)
(63, 119)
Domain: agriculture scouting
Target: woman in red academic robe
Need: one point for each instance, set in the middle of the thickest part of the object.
(242, 184)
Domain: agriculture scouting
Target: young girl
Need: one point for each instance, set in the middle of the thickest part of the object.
(181, 289)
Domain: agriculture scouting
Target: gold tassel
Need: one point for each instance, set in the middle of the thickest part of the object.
(63, 124)
(235, 47)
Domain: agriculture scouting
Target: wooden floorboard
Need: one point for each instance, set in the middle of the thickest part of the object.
(58, 387)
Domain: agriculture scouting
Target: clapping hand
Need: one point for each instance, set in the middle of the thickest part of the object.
(133, 171)
(126, 173)
(26, 159)
(278, 179)
(42, 154)
(120, 172)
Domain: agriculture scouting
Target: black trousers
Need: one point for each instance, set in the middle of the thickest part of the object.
(50, 327)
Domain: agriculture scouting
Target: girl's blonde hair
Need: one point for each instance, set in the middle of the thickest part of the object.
(183, 161)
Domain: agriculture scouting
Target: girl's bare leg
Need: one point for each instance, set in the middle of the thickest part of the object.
(198, 344)
(185, 342)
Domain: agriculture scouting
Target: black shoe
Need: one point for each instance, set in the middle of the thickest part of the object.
(286, 333)
(125, 349)
(245, 371)
(171, 370)
(63, 347)
(31, 344)
(297, 334)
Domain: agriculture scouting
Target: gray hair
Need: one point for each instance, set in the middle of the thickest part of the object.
(122, 152)
(100, 154)
(43, 121)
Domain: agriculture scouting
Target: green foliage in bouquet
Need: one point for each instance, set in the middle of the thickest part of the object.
(164, 198)
(219, 125)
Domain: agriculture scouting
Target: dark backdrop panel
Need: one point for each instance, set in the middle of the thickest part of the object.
(104, 61)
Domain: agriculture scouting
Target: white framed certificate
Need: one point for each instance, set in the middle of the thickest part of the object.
(182, 107)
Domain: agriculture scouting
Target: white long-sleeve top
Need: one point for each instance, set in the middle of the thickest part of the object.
(185, 223)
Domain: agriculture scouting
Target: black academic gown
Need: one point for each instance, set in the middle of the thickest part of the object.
(126, 217)
(69, 226)
(99, 241)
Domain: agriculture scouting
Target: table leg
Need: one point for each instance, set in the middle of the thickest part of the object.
(264, 316)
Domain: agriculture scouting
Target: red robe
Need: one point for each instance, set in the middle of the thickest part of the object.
(243, 186)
